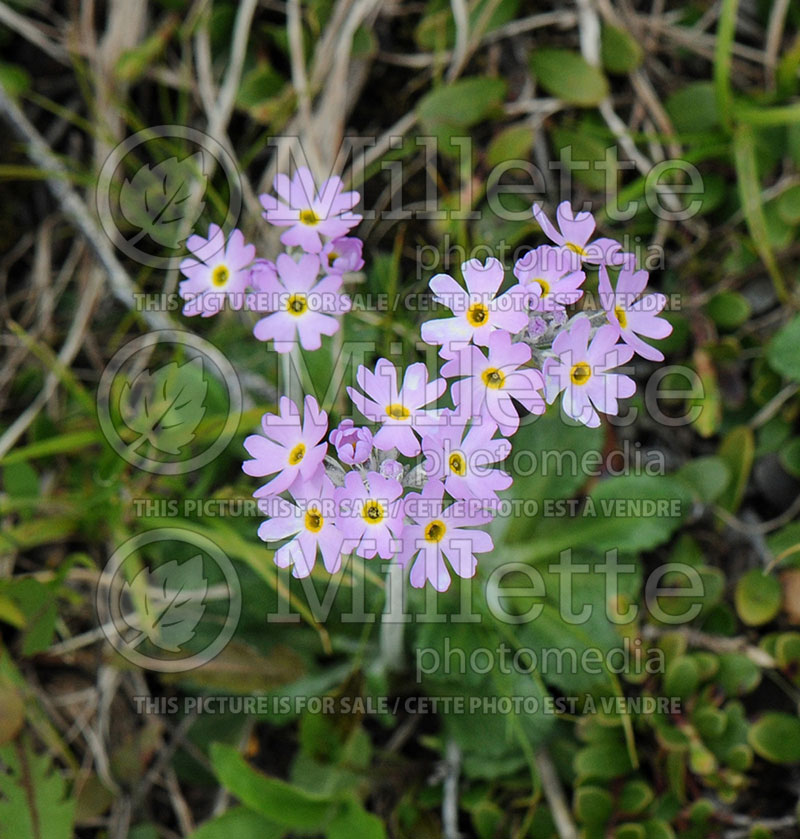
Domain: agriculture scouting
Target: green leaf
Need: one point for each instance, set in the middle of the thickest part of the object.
(728, 309)
(166, 406)
(682, 677)
(354, 821)
(620, 51)
(34, 803)
(512, 143)
(157, 200)
(783, 351)
(568, 76)
(604, 761)
(723, 57)
(776, 737)
(15, 79)
(707, 476)
(13, 706)
(757, 597)
(737, 450)
(593, 805)
(744, 152)
(272, 798)
(241, 823)
(635, 797)
(693, 108)
(463, 103)
(789, 205)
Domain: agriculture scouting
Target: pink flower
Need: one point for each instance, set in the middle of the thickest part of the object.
(437, 534)
(464, 459)
(574, 232)
(478, 311)
(370, 514)
(632, 317)
(552, 271)
(302, 307)
(308, 214)
(580, 370)
(490, 385)
(343, 255)
(218, 271)
(353, 444)
(400, 412)
(286, 447)
(311, 523)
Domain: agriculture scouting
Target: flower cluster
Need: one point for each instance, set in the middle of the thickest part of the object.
(419, 481)
(300, 294)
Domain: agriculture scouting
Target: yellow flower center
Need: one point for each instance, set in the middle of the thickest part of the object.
(477, 314)
(297, 305)
(297, 454)
(373, 512)
(493, 378)
(397, 411)
(332, 257)
(458, 464)
(575, 248)
(544, 285)
(580, 373)
(220, 275)
(314, 521)
(435, 531)
(622, 318)
(309, 218)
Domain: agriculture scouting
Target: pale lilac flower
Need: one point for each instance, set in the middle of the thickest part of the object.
(342, 255)
(477, 311)
(632, 315)
(574, 232)
(390, 468)
(491, 384)
(310, 215)
(580, 370)
(311, 521)
(438, 534)
(287, 447)
(465, 460)
(353, 444)
(400, 411)
(302, 308)
(370, 514)
(552, 272)
(217, 271)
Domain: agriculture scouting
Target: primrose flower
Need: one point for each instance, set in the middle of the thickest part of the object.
(438, 534)
(370, 514)
(400, 411)
(554, 275)
(491, 385)
(309, 215)
(311, 522)
(301, 307)
(287, 448)
(574, 232)
(464, 460)
(580, 370)
(218, 270)
(353, 444)
(477, 311)
(342, 255)
(632, 317)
